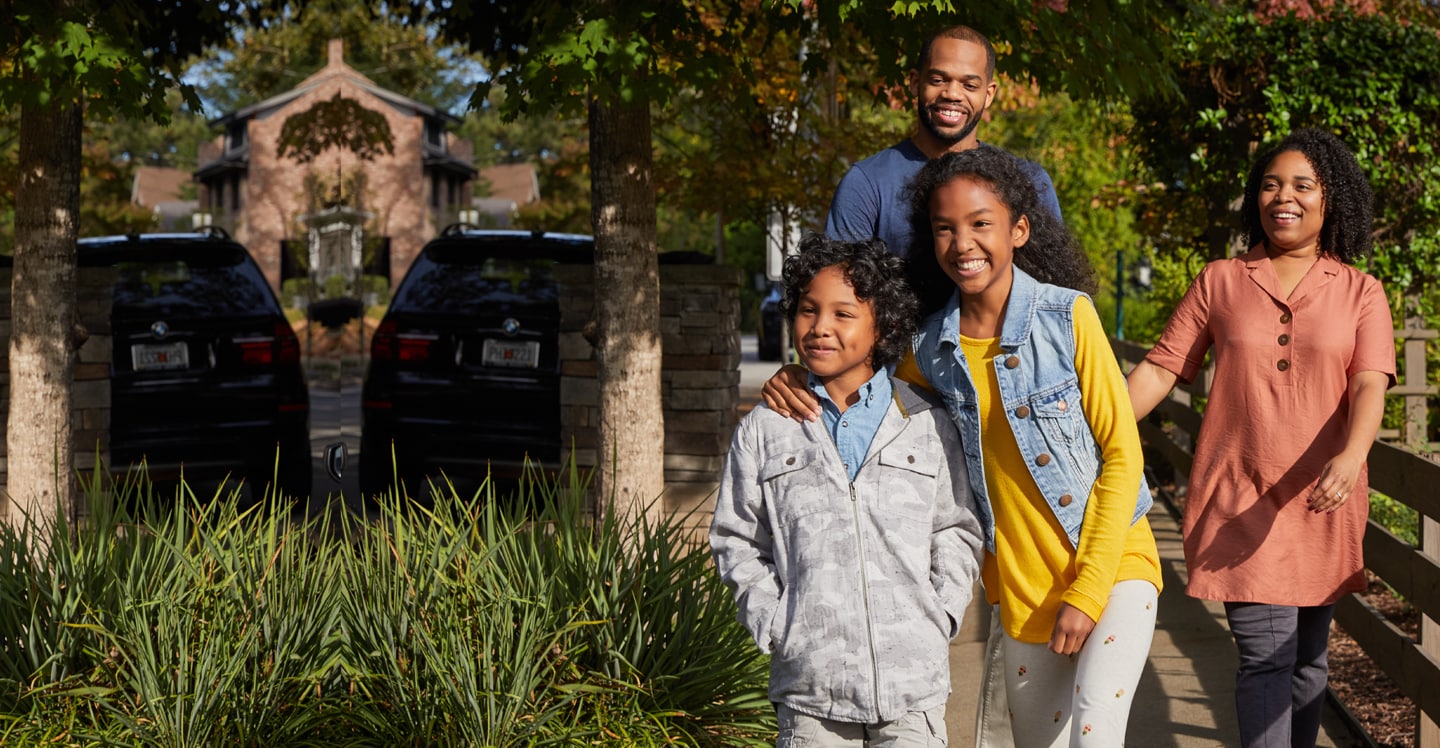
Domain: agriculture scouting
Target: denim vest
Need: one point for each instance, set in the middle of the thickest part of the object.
(1040, 392)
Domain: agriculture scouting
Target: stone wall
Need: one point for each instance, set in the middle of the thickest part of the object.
(700, 376)
(90, 417)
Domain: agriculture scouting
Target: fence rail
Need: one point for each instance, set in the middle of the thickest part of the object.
(1396, 471)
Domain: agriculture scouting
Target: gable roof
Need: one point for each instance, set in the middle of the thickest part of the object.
(335, 68)
(517, 183)
(154, 185)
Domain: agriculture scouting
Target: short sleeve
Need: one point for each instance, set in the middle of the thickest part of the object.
(1374, 334)
(855, 209)
(1187, 337)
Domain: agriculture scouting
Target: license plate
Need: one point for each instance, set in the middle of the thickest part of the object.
(517, 353)
(159, 356)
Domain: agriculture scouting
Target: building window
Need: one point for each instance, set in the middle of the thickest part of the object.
(435, 134)
(235, 136)
(219, 196)
(435, 190)
(235, 193)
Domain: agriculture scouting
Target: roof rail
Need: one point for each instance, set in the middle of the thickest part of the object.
(457, 229)
(213, 232)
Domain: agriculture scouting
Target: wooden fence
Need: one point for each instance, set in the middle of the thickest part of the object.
(1396, 470)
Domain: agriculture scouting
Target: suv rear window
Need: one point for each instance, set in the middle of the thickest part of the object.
(213, 281)
(470, 280)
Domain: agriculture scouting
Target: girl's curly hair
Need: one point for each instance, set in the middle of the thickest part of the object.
(877, 276)
(1051, 255)
(1349, 201)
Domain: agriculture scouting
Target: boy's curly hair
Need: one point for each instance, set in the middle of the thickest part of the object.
(1051, 254)
(1349, 201)
(877, 276)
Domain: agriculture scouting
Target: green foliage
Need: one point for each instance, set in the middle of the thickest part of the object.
(1373, 79)
(273, 57)
(1396, 517)
(1105, 50)
(459, 622)
(116, 56)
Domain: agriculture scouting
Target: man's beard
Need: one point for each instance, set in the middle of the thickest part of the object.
(927, 122)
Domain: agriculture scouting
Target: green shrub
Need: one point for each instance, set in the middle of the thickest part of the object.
(1399, 519)
(457, 623)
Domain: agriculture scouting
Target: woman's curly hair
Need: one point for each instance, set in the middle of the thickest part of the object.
(1349, 201)
(1051, 255)
(877, 276)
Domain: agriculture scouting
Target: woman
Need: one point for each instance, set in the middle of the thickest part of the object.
(1304, 349)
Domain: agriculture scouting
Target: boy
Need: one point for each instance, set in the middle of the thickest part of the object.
(851, 543)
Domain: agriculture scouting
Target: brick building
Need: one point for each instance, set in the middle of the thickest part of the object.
(404, 196)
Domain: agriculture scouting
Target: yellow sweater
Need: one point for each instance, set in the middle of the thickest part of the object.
(1033, 569)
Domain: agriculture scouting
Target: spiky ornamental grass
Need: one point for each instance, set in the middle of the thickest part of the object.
(469, 621)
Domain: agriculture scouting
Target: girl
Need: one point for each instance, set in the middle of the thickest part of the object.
(1050, 442)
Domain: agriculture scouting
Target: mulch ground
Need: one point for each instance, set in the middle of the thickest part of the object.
(1387, 715)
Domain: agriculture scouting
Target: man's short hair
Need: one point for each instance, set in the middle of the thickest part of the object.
(964, 34)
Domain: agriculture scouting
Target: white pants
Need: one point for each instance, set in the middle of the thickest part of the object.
(1059, 701)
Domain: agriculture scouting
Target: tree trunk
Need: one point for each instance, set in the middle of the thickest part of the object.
(40, 449)
(631, 448)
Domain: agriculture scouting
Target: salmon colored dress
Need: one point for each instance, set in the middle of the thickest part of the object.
(1278, 412)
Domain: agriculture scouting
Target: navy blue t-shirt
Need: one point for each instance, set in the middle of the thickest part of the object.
(870, 201)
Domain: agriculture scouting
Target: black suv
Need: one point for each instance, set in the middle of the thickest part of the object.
(464, 375)
(206, 375)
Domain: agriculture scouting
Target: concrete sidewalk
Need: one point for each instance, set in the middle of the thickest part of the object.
(1187, 693)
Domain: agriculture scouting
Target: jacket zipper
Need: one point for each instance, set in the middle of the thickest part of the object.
(865, 578)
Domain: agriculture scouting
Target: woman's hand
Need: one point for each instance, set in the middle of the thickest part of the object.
(1336, 482)
(788, 393)
(1072, 628)
(1367, 406)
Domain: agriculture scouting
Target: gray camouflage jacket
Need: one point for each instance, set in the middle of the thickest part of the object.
(854, 589)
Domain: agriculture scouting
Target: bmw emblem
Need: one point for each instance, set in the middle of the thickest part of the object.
(160, 329)
(511, 326)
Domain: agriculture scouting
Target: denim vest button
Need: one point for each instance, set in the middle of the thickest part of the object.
(1022, 412)
(1012, 362)
(1062, 406)
(1066, 499)
(1043, 459)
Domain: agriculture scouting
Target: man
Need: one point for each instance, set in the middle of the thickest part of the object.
(953, 85)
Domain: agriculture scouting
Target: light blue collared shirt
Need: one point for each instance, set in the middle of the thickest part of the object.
(854, 429)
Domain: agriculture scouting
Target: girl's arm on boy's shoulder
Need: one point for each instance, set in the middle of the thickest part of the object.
(1113, 498)
(956, 543)
(740, 537)
(788, 393)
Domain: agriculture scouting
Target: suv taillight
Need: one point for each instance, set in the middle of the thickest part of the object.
(282, 348)
(382, 345)
(287, 344)
(409, 348)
